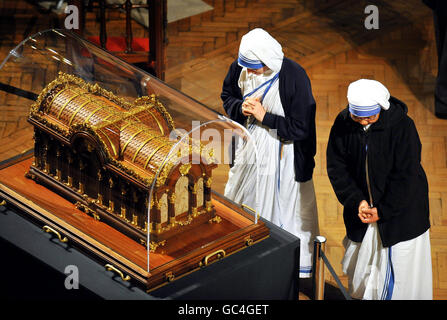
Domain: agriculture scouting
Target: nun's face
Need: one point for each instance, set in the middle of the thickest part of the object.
(258, 71)
(365, 120)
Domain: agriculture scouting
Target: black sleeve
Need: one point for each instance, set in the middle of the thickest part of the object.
(231, 94)
(403, 181)
(344, 185)
(299, 107)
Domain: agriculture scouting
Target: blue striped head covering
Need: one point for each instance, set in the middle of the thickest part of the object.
(258, 49)
(249, 63)
(367, 97)
(364, 111)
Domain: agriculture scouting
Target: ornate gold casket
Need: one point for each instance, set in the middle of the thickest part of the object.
(104, 153)
(115, 162)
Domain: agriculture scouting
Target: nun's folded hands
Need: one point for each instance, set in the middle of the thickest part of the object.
(252, 106)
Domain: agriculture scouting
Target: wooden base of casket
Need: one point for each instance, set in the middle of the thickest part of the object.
(234, 230)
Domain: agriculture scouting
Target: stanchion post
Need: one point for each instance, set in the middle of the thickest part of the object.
(318, 268)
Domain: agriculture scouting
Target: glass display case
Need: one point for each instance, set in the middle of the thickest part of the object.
(111, 159)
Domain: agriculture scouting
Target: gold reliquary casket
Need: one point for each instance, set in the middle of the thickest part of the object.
(104, 154)
(115, 162)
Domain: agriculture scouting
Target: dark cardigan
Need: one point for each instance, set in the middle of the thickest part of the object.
(398, 182)
(298, 103)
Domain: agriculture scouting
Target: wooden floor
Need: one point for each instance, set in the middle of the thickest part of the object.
(328, 38)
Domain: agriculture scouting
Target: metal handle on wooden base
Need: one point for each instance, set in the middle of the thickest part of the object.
(220, 254)
(109, 267)
(49, 229)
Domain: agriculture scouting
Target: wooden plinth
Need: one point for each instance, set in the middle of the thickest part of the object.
(179, 256)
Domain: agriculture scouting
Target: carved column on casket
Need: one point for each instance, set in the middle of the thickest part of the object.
(207, 193)
(200, 193)
(133, 208)
(100, 188)
(58, 163)
(171, 208)
(193, 198)
(156, 214)
(45, 157)
(111, 202)
(70, 169)
(37, 149)
(82, 176)
(123, 210)
(146, 210)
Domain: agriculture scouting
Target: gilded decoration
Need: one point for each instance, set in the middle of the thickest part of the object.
(184, 169)
(109, 152)
(40, 109)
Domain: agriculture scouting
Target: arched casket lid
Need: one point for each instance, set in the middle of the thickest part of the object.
(135, 137)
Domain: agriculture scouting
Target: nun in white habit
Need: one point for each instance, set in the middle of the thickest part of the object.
(374, 165)
(271, 96)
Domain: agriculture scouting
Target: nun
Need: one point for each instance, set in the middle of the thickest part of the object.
(374, 166)
(271, 96)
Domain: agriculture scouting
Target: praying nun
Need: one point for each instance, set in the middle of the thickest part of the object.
(271, 96)
(374, 166)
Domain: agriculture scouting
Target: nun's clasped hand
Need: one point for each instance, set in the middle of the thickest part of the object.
(253, 107)
(367, 214)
